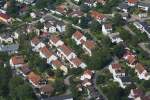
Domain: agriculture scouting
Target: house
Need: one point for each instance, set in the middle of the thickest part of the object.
(100, 17)
(46, 89)
(107, 29)
(25, 70)
(76, 63)
(141, 72)
(87, 74)
(86, 78)
(34, 79)
(132, 2)
(116, 70)
(55, 41)
(78, 37)
(90, 3)
(123, 7)
(130, 58)
(47, 54)
(65, 52)
(56, 64)
(16, 61)
(88, 46)
(119, 75)
(76, 13)
(144, 6)
(49, 27)
(114, 37)
(5, 18)
(102, 2)
(135, 94)
(6, 38)
(61, 9)
(36, 44)
(12, 48)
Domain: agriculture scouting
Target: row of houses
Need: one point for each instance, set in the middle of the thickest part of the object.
(133, 62)
(80, 39)
(46, 53)
(18, 63)
(64, 52)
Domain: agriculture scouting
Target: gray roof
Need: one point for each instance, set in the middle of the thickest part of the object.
(9, 48)
(144, 4)
(5, 35)
(123, 6)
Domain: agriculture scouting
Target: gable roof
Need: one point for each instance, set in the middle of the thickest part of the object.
(89, 44)
(66, 50)
(132, 1)
(76, 61)
(116, 66)
(97, 15)
(57, 63)
(34, 78)
(5, 16)
(17, 60)
(139, 67)
(35, 40)
(77, 35)
(25, 69)
(48, 89)
(46, 52)
(54, 38)
(137, 92)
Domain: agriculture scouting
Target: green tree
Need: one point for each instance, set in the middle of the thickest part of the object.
(117, 20)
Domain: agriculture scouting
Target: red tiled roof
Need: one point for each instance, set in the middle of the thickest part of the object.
(17, 60)
(137, 92)
(76, 61)
(60, 8)
(57, 63)
(131, 59)
(5, 16)
(67, 51)
(34, 78)
(116, 66)
(108, 26)
(139, 67)
(97, 15)
(89, 44)
(54, 38)
(77, 35)
(132, 1)
(89, 72)
(35, 40)
(46, 52)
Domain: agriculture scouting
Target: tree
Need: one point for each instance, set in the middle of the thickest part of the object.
(119, 50)
(117, 20)
(13, 9)
(85, 8)
(25, 92)
(84, 21)
(5, 75)
(95, 26)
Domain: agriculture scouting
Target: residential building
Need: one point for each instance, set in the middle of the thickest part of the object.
(34, 79)
(6, 38)
(132, 2)
(144, 6)
(76, 63)
(107, 29)
(100, 17)
(16, 61)
(88, 46)
(114, 37)
(47, 54)
(55, 41)
(135, 94)
(78, 37)
(5, 18)
(46, 89)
